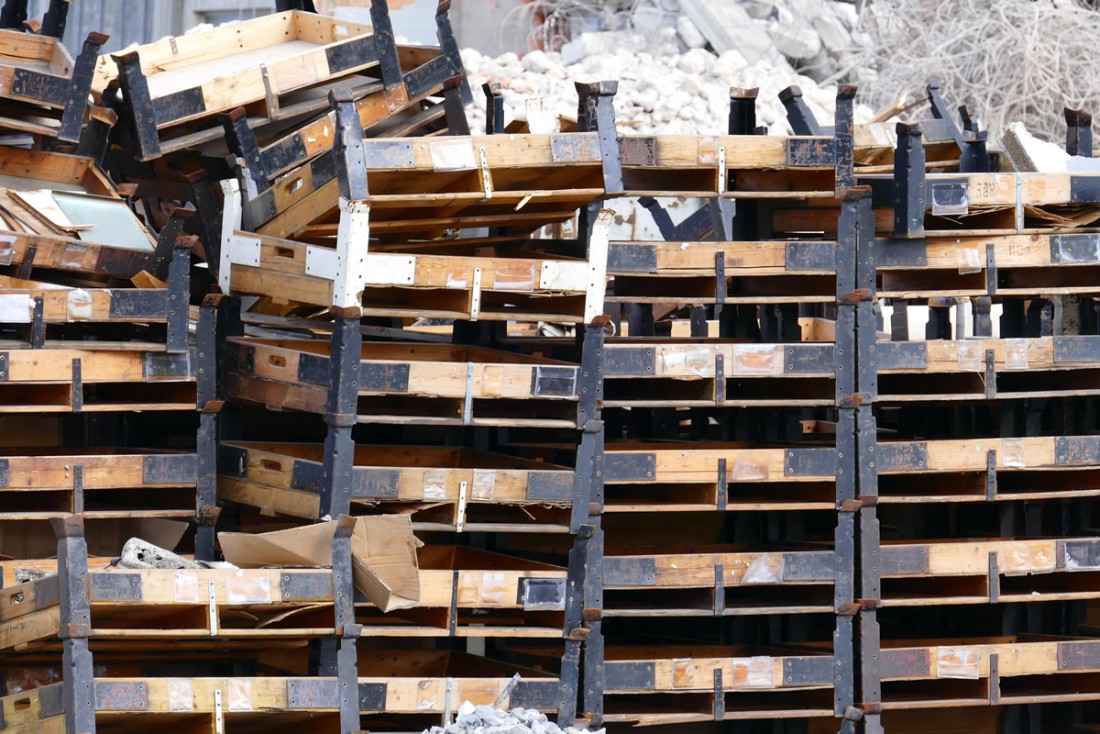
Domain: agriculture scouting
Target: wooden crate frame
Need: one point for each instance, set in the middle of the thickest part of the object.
(976, 571)
(434, 384)
(49, 303)
(454, 581)
(466, 280)
(38, 75)
(337, 49)
(277, 477)
(684, 477)
(424, 187)
(74, 475)
(991, 469)
(783, 579)
(709, 673)
(115, 378)
(977, 668)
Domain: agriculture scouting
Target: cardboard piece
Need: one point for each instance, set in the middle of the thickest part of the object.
(383, 555)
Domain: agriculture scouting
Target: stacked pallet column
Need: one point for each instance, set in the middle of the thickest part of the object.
(976, 485)
(413, 399)
(724, 587)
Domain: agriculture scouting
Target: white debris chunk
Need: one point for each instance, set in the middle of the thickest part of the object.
(491, 720)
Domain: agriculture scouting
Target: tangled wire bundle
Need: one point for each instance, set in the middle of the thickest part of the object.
(1012, 60)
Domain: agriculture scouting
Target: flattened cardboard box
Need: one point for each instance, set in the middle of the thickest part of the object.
(383, 555)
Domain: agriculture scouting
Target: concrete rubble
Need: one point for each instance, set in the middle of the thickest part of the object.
(491, 720)
(675, 72)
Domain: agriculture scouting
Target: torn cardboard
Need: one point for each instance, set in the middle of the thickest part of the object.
(383, 555)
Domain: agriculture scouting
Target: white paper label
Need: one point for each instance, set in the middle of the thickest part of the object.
(453, 155)
(16, 309)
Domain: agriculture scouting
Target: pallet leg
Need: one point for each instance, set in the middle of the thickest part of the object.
(909, 178)
(444, 33)
(72, 119)
(13, 14)
(799, 115)
(385, 44)
(142, 117)
(1078, 132)
(78, 687)
(54, 20)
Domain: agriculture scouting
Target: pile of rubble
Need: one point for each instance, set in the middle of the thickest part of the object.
(677, 62)
(491, 720)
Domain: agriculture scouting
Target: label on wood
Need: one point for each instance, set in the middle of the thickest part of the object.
(247, 589)
(7, 249)
(1016, 354)
(239, 694)
(517, 276)
(491, 589)
(1028, 557)
(683, 360)
(185, 587)
(435, 484)
(181, 696)
(1014, 453)
(16, 309)
(484, 485)
(969, 260)
(683, 673)
(971, 356)
(757, 359)
(453, 155)
(958, 662)
(949, 198)
(754, 672)
(78, 305)
(767, 569)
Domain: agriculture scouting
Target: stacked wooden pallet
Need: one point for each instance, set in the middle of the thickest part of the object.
(101, 330)
(409, 423)
(766, 503)
(1008, 643)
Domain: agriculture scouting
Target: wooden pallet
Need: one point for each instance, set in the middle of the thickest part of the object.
(38, 483)
(704, 581)
(957, 571)
(689, 373)
(256, 62)
(403, 683)
(966, 205)
(109, 377)
(45, 91)
(753, 683)
(684, 477)
(430, 384)
(469, 279)
(464, 593)
(760, 166)
(421, 188)
(990, 671)
(723, 272)
(46, 309)
(990, 469)
(444, 488)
